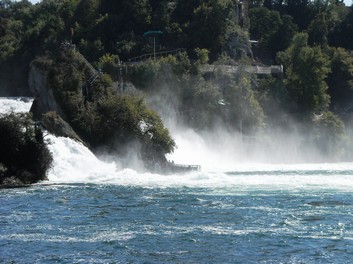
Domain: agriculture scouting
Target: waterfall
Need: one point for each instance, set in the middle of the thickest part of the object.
(15, 104)
(75, 163)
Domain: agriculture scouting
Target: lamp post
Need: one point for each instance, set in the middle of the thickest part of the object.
(154, 35)
(154, 48)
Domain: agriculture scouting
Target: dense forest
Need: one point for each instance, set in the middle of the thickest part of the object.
(311, 40)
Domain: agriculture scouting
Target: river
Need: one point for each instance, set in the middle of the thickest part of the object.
(90, 211)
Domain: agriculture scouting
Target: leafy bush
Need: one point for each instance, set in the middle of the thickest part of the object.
(23, 152)
(115, 121)
(108, 62)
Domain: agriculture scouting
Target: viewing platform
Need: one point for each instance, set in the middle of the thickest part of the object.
(229, 69)
(173, 168)
(182, 168)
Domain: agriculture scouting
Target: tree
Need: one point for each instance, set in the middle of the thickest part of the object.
(108, 63)
(302, 12)
(10, 37)
(318, 30)
(284, 35)
(23, 151)
(340, 80)
(345, 34)
(86, 13)
(202, 55)
(263, 25)
(161, 14)
(134, 15)
(210, 26)
(273, 32)
(306, 69)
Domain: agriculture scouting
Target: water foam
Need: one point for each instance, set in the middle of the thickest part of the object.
(75, 163)
(15, 104)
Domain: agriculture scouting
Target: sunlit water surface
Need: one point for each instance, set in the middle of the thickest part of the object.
(297, 221)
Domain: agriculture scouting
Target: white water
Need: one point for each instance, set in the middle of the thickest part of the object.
(15, 104)
(74, 163)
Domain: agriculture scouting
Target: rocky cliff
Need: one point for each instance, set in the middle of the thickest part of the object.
(44, 100)
(45, 108)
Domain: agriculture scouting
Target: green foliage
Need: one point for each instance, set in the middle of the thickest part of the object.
(340, 79)
(107, 31)
(143, 75)
(10, 30)
(306, 70)
(86, 13)
(284, 35)
(108, 62)
(264, 24)
(318, 30)
(92, 50)
(210, 25)
(115, 121)
(342, 36)
(202, 55)
(29, 31)
(23, 151)
(46, 27)
(273, 32)
(99, 27)
(107, 120)
(127, 16)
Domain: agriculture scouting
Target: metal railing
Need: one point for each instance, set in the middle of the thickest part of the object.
(183, 167)
(229, 69)
(152, 55)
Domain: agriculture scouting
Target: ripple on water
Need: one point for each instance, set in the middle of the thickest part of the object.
(88, 223)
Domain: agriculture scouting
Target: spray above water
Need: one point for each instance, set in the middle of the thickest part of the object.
(75, 163)
(218, 142)
(220, 149)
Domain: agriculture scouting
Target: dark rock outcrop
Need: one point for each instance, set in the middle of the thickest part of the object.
(57, 126)
(45, 108)
(44, 100)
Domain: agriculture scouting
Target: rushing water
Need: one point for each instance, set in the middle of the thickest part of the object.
(95, 212)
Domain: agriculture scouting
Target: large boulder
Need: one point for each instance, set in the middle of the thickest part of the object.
(57, 126)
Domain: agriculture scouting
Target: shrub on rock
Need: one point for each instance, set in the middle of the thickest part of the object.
(23, 152)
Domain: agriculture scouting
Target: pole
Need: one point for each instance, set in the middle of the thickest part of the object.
(154, 48)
